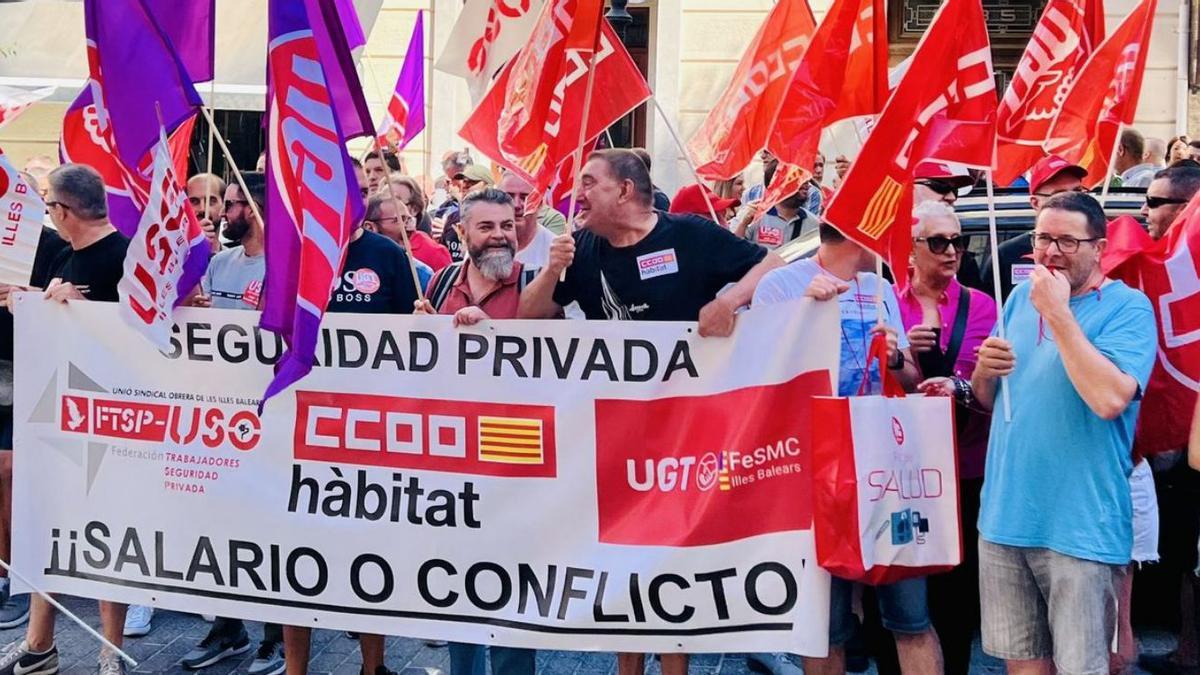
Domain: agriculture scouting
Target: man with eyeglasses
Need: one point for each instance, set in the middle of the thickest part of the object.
(1055, 521)
(946, 322)
(386, 215)
(1050, 176)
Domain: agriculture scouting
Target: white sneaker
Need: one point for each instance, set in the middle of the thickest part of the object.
(137, 620)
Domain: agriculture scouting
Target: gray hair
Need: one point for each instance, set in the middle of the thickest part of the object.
(485, 196)
(926, 211)
(375, 206)
(81, 188)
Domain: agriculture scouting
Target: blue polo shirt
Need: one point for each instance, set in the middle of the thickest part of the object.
(1057, 475)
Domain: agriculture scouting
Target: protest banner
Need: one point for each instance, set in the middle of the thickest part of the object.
(22, 212)
(567, 485)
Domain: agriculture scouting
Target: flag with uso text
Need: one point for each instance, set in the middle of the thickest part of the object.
(415, 483)
(944, 108)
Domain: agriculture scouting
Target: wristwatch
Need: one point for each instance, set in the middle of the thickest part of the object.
(898, 364)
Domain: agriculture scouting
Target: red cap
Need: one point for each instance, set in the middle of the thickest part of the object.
(690, 199)
(1049, 167)
(942, 172)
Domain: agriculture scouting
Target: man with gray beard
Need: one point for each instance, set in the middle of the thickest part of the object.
(487, 283)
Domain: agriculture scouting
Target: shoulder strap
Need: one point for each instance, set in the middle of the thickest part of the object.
(527, 277)
(441, 284)
(960, 327)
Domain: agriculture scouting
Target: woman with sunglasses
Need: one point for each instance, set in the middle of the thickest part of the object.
(945, 322)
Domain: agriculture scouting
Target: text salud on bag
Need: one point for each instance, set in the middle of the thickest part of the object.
(885, 482)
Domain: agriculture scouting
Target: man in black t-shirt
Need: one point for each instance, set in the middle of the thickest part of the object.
(88, 270)
(376, 278)
(632, 263)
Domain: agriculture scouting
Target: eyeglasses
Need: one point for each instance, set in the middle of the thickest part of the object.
(230, 203)
(58, 204)
(1155, 202)
(1078, 188)
(1067, 245)
(939, 244)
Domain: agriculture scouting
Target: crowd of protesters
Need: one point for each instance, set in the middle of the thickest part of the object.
(1049, 585)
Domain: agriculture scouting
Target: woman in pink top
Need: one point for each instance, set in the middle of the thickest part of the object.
(946, 322)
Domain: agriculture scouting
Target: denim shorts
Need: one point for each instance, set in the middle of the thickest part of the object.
(1038, 604)
(903, 608)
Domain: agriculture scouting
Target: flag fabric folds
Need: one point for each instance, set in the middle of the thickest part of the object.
(405, 116)
(944, 108)
(190, 26)
(486, 35)
(740, 123)
(843, 73)
(169, 252)
(1167, 272)
(1061, 43)
(23, 209)
(313, 202)
(618, 88)
(563, 42)
(14, 101)
(1104, 96)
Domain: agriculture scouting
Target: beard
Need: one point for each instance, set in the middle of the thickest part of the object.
(236, 229)
(494, 262)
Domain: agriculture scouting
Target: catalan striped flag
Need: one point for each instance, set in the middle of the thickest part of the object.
(511, 440)
(723, 473)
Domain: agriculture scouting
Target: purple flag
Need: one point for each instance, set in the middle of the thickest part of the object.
(190, 25)
(351, 26)
(333, 44)
(137, 67)
(313, 201)
(405, 117)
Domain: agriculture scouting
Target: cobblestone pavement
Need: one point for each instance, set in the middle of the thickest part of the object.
(173, 634)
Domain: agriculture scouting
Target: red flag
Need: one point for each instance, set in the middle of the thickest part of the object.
(1104, 96)
(739, 125)
(566, 36)
(786, 181)
(944, 108)
(618, 88)
(1168, 272)
(1065, 37)
(847, 48)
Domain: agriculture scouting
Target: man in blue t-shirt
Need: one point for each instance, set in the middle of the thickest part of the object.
(842, 269)
(1056, 515)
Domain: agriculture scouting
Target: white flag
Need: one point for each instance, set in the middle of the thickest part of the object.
(21, 212)
(14, 101)
(487, 34)
(154, 262)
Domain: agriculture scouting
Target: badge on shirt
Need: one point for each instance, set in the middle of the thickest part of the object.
(1020, 272)
(251, 293)
(770, 236)
(657, 264)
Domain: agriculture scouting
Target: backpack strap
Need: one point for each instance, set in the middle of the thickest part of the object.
(527, 277)
(442, 282)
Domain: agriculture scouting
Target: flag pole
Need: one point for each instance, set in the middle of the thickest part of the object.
(401, 208)
(428, 130)
(687, 158)
(68, 613)
(237, 174)
(994, 242)
(1108, 171)
(578, 156)
(212, 103)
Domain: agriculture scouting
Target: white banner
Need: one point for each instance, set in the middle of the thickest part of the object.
(22, 211)
(486, 35)
(566, 485)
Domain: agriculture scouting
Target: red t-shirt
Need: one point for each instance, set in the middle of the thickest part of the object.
(501, 303)
(428, 251)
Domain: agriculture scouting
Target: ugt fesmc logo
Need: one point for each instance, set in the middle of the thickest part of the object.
(178, 423)
(490, 439)
(669, 471)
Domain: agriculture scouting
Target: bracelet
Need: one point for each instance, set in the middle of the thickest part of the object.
(963, 392)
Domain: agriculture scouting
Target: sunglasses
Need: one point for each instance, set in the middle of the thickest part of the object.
(1155, 202)
(52, 203)
(939, 186)
(939, 244)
